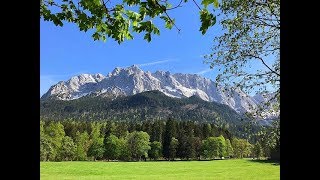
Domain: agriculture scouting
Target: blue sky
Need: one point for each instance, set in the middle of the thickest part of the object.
(65, 51)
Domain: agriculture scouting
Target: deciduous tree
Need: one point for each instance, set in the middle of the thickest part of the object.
(96, 149)
(156, 150)
(118, 20)
(83, 143)
(229, 148)
(54, 134)
(138, 144)
(68, 149)
(47, 151)
(257, 151)
(241, 147)
(251, 35)
(112, 147)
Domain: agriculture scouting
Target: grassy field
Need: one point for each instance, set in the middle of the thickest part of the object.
(217, 169)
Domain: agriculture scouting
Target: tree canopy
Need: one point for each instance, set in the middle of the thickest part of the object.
(139, 144)
(214, 147)
(112, 147)
(156, 150)
(119, 19)
(92, 142)
(251, 36)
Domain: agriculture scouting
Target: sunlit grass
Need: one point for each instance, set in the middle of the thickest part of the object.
(217, 169)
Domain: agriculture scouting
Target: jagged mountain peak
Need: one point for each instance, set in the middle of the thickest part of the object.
(132, 80)
(116, 71)
(134, 69)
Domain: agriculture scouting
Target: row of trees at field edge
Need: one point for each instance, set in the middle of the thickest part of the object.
(74, 140)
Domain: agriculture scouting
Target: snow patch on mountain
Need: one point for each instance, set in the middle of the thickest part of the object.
(132, 80)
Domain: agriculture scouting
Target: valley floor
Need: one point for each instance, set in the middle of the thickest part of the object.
(216, 169)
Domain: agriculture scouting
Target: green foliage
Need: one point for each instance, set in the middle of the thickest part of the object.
(198, 147)
(54, 136)
(221, 146)
(269, 140)
(138, 144)
(274, 134)
(229, 148)
(275, 138)
(186, 147)
(109, 128)
(42, 123)
(206, 130)
(125, 153)
(173, 148)
(183, 145)
(251, 36)
(205, 3)
(146, 106)
(96, 149)
(207, 20)
(156, 150)
(112, 147)
(114, 20)
(241, 147)
(257, 151)
(100, 144)
(121, 130)
(56, 133)
(68, 149)
(190, 151)
(157, 131)
(95, 131)
(168, 22)
(47, 151)
(83, 143)
(214, 147)
(170, 132)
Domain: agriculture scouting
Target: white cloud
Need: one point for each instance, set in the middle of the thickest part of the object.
(153, 63)
(204, 71)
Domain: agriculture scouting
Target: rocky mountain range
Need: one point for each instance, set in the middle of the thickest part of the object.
(132, 80)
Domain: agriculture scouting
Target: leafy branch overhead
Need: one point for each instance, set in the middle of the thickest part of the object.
(119, 19)
(251, 37)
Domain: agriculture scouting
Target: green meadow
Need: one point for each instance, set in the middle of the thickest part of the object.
(216, 169)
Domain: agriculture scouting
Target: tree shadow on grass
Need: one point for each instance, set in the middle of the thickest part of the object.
(269, 161)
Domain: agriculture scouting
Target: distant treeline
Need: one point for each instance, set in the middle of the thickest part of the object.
(145, 106)
(132, 141)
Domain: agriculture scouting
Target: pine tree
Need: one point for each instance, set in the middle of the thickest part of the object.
(206, 130)
(157, 131)
(170, 132)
